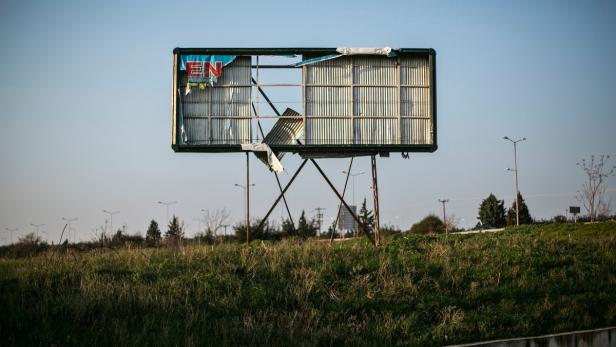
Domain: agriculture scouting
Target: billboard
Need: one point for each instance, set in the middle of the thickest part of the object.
(323, 102)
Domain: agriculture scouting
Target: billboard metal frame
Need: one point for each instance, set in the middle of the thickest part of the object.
(351, 149)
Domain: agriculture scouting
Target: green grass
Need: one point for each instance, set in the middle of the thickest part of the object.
(415, 290)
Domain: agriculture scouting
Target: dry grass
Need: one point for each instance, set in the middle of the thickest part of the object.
(414, 290)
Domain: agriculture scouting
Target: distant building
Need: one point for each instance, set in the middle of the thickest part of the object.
(346, 222)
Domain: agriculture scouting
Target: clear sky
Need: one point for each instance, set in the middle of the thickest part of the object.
(85, 104)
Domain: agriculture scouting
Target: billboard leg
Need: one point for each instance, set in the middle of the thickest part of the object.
(284, 199)
(375, 193)
(247, 199)
(281, 195)
(359, 223)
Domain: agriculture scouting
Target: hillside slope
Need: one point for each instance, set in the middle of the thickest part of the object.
(415, 290)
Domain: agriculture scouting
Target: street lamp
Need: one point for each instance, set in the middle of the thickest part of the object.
(12, 230)
(69, 221)
(111, 217)
(353, 176)
(517, 191)
(167, 204)
(444, 201)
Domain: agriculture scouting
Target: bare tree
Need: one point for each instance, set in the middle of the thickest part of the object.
(592, 194)
(452, 222)
(216, 220)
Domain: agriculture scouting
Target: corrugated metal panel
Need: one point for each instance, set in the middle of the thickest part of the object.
(375, 101)
(415, 71)
(415, 102)
(230, 101)
(200, 105)
(376, 131)
(417, 131)
(197, 130)
(230, 131)
(374, 70)
(329, 131)
(195, 104)
(286, 130)
(328, 101)
(333, 72)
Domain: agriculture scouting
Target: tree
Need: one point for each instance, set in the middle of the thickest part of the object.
(525, 217)
(30, 239)
(592, 194)
(306, 229)
(214, 221)
(175, 231)
(267, 231)
(152, 236)
(429, 224)
(451, 222)
(492, 212)
(559, 219)
(366, 217)
(287, 228)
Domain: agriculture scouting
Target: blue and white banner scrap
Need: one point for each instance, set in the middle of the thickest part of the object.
(204, 68)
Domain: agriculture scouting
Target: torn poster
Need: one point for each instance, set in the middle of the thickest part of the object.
(272, 161)
(202, 70)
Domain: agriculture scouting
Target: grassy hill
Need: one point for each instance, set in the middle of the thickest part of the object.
(415, 290)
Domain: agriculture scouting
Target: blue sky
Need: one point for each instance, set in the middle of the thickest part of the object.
(85, 89)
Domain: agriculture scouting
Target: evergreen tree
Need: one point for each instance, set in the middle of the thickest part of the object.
(305, 229)
(366, 218)
(175, 231)
(152, 236)
(525, 217)
(287, 228)
(267, 231)
(492, 212)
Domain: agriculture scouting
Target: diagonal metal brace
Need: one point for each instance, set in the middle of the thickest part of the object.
(266, 98)
(284, 199)
(361, 225)
(280, 196)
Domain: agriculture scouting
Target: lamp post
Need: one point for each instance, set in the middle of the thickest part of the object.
(353, 177)
(517, 191)
(111, 217)
(444, 201)
(12, 230)
(167, 204)
(69, 221)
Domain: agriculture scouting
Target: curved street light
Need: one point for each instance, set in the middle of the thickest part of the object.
(517, 190)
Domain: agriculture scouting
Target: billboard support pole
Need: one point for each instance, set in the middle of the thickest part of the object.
(247, 199)
(361, 225)
(346, 181)
(375, 194)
